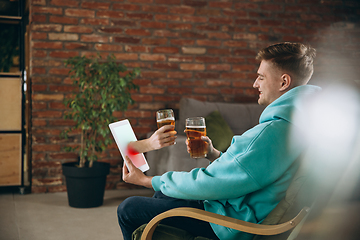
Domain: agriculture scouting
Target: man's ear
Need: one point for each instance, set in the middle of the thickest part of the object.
(286, 82)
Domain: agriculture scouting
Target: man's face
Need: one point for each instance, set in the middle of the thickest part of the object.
(268, 83)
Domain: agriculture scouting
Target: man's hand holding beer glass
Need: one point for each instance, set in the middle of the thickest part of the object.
(198, 144)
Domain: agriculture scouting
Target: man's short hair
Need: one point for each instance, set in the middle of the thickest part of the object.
(296, 59)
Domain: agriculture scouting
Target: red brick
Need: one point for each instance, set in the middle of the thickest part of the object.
(208, 27)
(180, 59)
(137, 49)
(39, 106)
(181, 75)
(142, 98)
(182, 42)
(165, 50)
(62, 88)
(46, 27)
(220, 5)
(46, 147)
(167, 17)
(63, 36)
(154, 8)
(158, 25)
(207, 75)
(95, 21)
(233, 59)
(166, 82)
(39, 122)
(246, 68)
(47, 45)
(72, 12)
(95, 5)
(126, 56)
(137, 114)
(59, 71)
(152, 41)
(218, 83)
(78, 46)
(192, 67)
(293, 39)
(63, 54)
(215, 35)
(211, 43)
(272, 7)
(246, 22)
(138, 32)
(168, 2)
(243, 52)
(125, 6)
(67, 3)
(152, 57)
(139, 16)
(78, 29)
(218, 67)
(180, 90)
(38, 36)
(152, 90)
(38, 18)
(47, 10)
(231, 75)
(38, 70)
(192, 83)
(94, 38)
(240, 44)
(195, 19)
(221, 20)
(180, 26)
(108, 47)
(209, 12)
(127, 40)
(217, 51)
(64, 20)
(195, 3)
(110, 30)
(206, 90)
(165, 33)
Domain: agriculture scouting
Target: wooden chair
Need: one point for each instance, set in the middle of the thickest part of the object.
(279, 224)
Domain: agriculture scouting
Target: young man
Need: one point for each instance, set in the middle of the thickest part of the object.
(249, 179)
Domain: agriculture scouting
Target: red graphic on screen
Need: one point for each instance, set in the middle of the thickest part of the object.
(132, 151)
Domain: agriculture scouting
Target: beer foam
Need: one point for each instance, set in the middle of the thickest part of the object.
(196, 126)
(164, 119)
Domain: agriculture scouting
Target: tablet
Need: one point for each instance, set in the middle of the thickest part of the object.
(123, 134)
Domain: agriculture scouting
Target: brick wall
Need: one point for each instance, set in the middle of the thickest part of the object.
(202, 49)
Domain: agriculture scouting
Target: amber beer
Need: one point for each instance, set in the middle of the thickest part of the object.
(195, 129)
(166, 121)
(165, 117)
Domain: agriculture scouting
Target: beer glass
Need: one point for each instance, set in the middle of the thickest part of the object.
(195, 128)
(165, 117)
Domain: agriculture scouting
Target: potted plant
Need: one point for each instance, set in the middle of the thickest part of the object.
(102, 87)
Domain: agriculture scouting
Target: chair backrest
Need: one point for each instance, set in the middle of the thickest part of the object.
(300, 193)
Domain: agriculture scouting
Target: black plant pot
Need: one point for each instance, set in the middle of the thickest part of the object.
(85, 186)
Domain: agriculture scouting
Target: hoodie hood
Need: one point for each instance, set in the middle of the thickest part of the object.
(285, 105)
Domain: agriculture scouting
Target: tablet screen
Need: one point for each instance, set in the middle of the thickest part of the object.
(123, 135)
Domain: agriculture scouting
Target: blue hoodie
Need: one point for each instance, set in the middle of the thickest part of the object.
(251, 177)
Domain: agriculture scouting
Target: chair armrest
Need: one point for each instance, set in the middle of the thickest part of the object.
(229, 222)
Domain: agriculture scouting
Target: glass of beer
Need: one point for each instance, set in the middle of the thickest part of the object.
(165, 117)
(195, 129)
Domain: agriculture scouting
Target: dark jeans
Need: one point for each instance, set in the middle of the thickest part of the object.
(136, 211)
